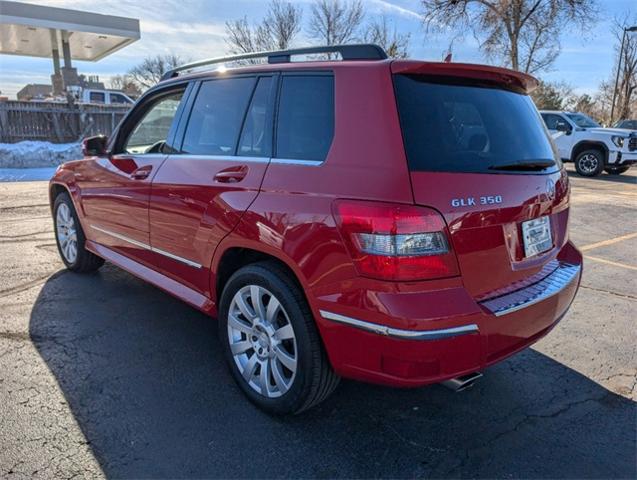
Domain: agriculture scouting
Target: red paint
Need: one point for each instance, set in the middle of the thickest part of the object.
(197, 208)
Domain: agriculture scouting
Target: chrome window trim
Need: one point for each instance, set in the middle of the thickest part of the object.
(239, 158)
(229, 158)
(295, 161)
(400, 333)
(146, 246)
(562, 277)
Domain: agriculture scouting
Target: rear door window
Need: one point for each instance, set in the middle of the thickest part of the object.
(454, 126)
(305, 125)
(217, 115)
(256, 136)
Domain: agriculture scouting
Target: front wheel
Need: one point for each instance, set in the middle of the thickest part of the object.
(590, 163)
(270, 341)
(616, 170)
(70, 238)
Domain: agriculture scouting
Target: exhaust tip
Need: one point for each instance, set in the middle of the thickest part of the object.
(465, 382)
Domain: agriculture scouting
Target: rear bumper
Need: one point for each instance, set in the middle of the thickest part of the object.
(433, 347)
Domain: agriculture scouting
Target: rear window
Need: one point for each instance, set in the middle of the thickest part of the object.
(460, 127)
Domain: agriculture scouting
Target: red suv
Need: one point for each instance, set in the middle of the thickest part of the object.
(390, 221)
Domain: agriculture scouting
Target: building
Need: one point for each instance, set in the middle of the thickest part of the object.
(34, 91)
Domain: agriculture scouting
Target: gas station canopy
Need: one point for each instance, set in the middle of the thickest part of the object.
(32, 30)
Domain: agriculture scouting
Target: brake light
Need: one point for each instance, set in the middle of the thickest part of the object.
(395, 242)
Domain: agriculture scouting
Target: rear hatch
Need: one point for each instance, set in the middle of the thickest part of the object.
(478, 152)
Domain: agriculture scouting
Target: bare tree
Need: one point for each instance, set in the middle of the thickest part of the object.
(275, 32)
(334, 22)
(381, 33)
(126, 84)
(524, 34)
(150, 71)
(626, 95)
(281, 24)
(552, 96)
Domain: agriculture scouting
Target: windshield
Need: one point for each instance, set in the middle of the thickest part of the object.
(582, 121)
(453, 126)
(630, 124)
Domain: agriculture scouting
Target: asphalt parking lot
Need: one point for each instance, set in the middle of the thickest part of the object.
(103, 375)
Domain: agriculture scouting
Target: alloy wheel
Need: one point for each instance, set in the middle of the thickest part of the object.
(66, 233)
(262, 341)
(588, 163)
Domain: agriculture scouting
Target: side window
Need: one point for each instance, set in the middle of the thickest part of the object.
(216, 117)
(97, 97)
(305, 124)
(256, 137)
(551, 121)
(117, 98)
(149, 135)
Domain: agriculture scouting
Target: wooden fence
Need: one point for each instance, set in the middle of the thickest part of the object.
(56, 122)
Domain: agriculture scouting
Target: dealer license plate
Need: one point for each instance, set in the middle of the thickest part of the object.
(537, 237)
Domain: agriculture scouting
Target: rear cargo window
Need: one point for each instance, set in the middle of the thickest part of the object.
(460, 127)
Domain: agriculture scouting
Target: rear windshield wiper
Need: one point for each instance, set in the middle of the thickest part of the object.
(524, 166)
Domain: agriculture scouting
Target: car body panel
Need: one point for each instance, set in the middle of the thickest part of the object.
(488, 237)
(191, 212)
(282, 208)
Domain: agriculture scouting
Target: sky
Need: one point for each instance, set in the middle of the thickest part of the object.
(194, 29)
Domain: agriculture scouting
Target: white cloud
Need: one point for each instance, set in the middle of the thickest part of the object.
(390, 7)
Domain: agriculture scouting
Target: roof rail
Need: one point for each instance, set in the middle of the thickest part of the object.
(367, 51)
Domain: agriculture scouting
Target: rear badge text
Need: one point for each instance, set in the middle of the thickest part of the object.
(472, 201)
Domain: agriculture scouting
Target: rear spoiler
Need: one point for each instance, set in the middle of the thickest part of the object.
(501, 76)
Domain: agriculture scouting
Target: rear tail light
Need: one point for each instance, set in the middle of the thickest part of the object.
(395, 242)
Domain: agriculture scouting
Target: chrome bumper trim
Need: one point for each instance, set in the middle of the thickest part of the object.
(400, 333)
(146, 246)
(551, 285)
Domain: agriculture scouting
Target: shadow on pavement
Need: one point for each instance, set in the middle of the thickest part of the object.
(147, 384)
(605, 177)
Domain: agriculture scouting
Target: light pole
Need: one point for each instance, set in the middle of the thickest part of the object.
(621, 55)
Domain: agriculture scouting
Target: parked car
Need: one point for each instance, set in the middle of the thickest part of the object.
(390, 221)
(592, 147)
(627, 124)
(106, 97)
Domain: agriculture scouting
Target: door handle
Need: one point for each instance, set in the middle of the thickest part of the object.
(232, 174)
(141, 173)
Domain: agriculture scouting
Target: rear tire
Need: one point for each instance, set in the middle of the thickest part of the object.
(616, 170)
(70, 238)
(278, 360)
(590, 163)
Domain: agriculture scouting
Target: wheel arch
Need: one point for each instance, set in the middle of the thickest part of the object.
(584, 145)
(55, 189)
(230, 257)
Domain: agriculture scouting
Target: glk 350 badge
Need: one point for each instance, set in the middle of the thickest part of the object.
(473, 201)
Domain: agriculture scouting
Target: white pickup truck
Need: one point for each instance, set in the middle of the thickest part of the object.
(593, 148)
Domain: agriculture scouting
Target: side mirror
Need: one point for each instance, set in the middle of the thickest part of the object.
(563, 127)
(94, 146)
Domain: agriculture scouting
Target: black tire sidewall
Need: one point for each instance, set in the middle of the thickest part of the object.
(600, 163)
(64, 198)
(281, 288)
(611, 170)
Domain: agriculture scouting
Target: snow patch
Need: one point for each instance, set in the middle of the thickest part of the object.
(32, 154)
